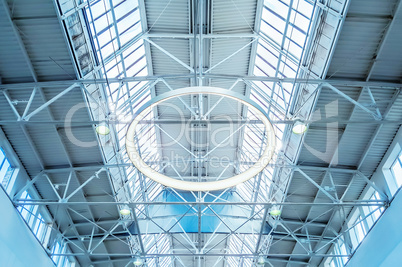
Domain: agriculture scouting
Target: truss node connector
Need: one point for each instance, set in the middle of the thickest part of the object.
(378, 117)
(98, 172)
(63, 200)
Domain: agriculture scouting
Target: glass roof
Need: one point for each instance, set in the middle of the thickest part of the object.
(116, 28)
(279, 53)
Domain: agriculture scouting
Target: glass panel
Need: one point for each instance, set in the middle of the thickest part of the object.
(59, 247)
(358, 232)
(2, 156)
(283, 31)
(34, 218)
(6, 170)
(397, 171)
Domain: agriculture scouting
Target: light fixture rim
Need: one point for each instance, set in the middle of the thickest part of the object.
(200, 186)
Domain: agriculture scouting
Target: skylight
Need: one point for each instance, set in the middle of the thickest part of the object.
(285, 27)
(397, 170)
(113, 24)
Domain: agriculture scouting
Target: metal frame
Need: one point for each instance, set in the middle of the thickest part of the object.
(256, 208)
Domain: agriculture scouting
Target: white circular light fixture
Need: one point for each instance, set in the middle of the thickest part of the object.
(125, 210)
(200, 186)
(102, 129)
(299, 128)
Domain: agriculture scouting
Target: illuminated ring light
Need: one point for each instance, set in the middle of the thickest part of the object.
(199, 186)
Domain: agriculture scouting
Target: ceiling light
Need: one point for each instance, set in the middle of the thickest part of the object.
(261, 260)
(125, 210)
(102, 129)
(299, 128)
(275, 210)
(138, 261)
(149, 172)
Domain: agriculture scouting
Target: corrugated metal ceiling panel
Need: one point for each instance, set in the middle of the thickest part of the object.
(233, 16)
(223, 48)
(356, 47)
(169, 17)
(13, 67)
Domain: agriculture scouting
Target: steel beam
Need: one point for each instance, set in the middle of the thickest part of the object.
(336, 90)
(186, 76)
(76, 9)
(61, 123)
(381, 192)
(331, 163)
(245, 255)
(230, 56)
(92, 166)
(380, 48)
(45, 202)
(49, 102)
(317, 185)
(203, 36)
(170, 55)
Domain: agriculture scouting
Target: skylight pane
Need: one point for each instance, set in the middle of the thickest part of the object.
(106, 37)
(117, 2)
(134, 53)
(397, 172)
(304, 7)
(277, 6)
(126, 21)
(98, 9)
(6, 170)
(125, 7)
(274, 19)
(271, 32)
(3, 171)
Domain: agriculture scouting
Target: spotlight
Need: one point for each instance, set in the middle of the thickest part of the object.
(125, 210)
(299, 128)
(102, 129)
(138, 261)
(275, 210)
